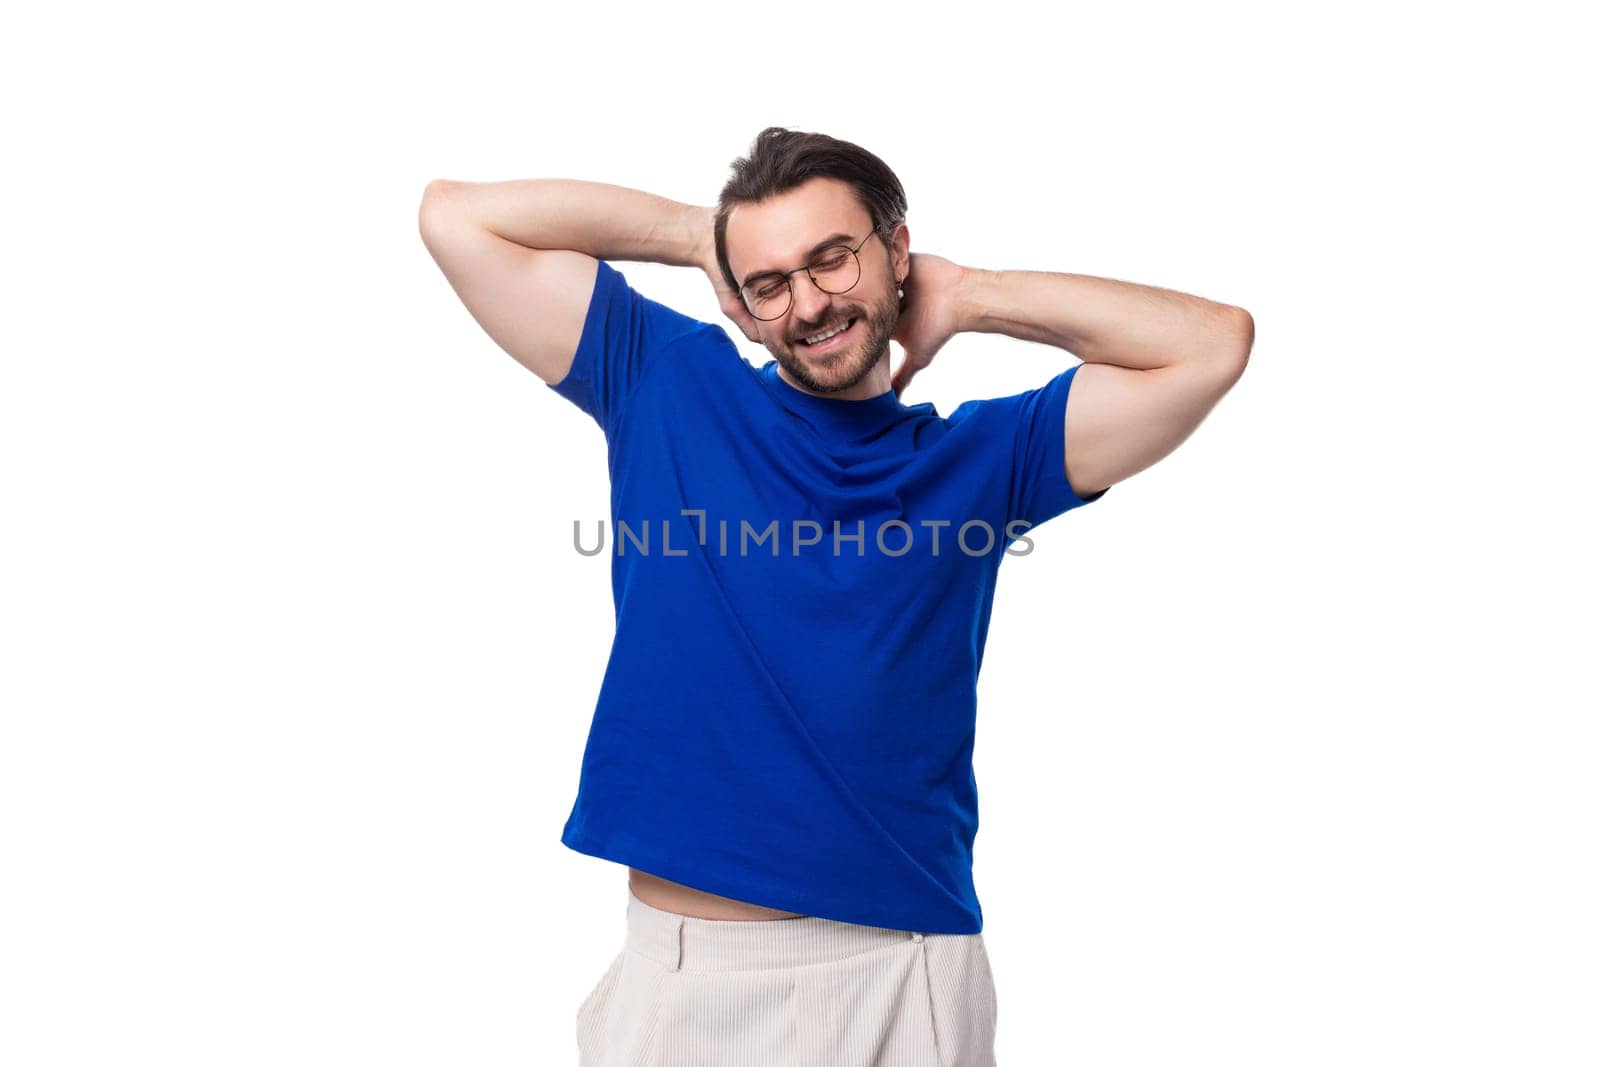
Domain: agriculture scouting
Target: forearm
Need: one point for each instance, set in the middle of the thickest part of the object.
(1100, 320)
(605, 221)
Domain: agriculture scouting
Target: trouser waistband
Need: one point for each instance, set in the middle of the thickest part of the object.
(683, 942)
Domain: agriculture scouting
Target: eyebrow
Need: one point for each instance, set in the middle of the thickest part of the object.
(831, 239)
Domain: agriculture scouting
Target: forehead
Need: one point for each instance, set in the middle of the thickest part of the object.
(778, 233)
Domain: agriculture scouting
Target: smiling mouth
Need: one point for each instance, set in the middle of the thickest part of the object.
(832, 342)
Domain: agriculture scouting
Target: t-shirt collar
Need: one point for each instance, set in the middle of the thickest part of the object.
(831, 410)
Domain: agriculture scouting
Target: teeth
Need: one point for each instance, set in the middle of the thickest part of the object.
(824, 336)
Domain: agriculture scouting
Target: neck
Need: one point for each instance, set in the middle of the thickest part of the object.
(875, 384)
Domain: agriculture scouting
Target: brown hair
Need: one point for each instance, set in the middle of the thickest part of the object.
(781, 160)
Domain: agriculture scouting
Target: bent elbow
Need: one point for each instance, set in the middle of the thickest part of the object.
(1241, 333)
(434, 207)
(1244, 325)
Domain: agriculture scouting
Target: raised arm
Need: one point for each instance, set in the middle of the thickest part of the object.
(522, 254)
(1156, 361)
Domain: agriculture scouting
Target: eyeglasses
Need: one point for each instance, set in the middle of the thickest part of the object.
(836, 269)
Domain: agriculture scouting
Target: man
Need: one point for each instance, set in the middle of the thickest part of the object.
(781, 750)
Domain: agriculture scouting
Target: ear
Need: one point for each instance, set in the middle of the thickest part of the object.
(900, 253)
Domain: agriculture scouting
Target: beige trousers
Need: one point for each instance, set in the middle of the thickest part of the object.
(803, 992)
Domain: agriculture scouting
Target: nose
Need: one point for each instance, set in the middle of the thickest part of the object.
(810, 302)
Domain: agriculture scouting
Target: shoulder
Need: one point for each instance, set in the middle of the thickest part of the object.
(633, 308)
(1005, 411)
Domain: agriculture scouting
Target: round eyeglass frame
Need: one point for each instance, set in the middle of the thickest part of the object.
(788, 278)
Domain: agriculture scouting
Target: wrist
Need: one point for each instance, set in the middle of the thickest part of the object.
(699, 222)
(974, 292)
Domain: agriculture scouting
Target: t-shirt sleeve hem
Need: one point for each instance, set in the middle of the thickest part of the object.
(577, 384)
(1065, 497)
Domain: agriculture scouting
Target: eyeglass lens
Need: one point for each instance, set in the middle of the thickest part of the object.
(835, 271)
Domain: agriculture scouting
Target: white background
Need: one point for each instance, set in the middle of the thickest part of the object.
(1287, 747)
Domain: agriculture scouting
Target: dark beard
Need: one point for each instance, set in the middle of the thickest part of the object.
(874, 325)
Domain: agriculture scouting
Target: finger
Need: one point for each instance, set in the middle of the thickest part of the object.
(741, 317)
(747, 323)
(902, 378)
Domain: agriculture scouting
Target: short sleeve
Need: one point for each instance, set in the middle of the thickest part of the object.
(1039, 487)
(622, 332)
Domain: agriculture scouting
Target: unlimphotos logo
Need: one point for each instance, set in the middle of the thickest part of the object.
(893, 537)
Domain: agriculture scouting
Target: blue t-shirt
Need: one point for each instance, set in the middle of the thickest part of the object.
(787, 715)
